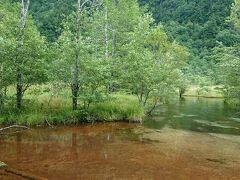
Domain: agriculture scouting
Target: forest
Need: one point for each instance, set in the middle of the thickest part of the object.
(119, 89)
(65, 62)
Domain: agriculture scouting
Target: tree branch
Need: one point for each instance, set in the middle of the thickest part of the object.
(13, 126)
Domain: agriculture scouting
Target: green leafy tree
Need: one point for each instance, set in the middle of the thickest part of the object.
(74, 47)
(23, 51)
(110, 28)
(228, 60)
(153, 63)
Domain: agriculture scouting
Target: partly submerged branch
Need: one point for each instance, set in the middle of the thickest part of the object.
(24, 174)
(13, 126)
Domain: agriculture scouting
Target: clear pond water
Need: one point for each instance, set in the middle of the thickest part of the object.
(191, 139)
(197, 114)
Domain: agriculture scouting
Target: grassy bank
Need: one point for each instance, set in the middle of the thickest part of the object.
(206, 91)
(46, 109)
(212, 92)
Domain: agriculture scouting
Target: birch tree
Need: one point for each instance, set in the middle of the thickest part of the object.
(20, 61)
(30, 55)
(23, 50)
(71, 47)
(112, 25)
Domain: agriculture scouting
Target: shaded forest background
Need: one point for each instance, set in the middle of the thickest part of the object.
(199, 25)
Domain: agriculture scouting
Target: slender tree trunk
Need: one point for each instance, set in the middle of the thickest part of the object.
(19, 89)
(3, 95)
(75, 86)
(181, 92)
(1, 88)
(106, 34)
(75, 66)
(1, 100)
(106, 28)
(19, 73)
(146, 98)
(112, 86)
(113, 42)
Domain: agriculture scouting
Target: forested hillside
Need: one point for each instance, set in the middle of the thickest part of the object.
(199, 25)
(49, 15)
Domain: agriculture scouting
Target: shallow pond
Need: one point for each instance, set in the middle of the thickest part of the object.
(197, 114)
(191, 139)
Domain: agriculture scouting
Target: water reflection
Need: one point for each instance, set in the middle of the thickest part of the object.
(130, 151)
(18, 145)
(196, 114)
(118, 151)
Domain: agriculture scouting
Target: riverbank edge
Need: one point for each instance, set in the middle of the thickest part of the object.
(205, 91)
(203, 96)
(117, 108)
(64, 121)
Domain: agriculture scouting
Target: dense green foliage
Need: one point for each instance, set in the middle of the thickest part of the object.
(228, 60)
(199, 25)
(235, 14)
(93, 50)
(102, 49)
(31, 57)
(49, 14)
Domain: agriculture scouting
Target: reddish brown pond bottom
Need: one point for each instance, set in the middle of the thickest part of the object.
(119, 151)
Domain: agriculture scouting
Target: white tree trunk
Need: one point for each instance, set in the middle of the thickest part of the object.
(20, 61)
(106, 34)
(75, 65)
(81, 6)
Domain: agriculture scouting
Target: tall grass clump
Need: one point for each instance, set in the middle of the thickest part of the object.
(118, 107)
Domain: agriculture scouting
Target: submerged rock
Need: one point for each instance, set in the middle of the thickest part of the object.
(2, 165)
